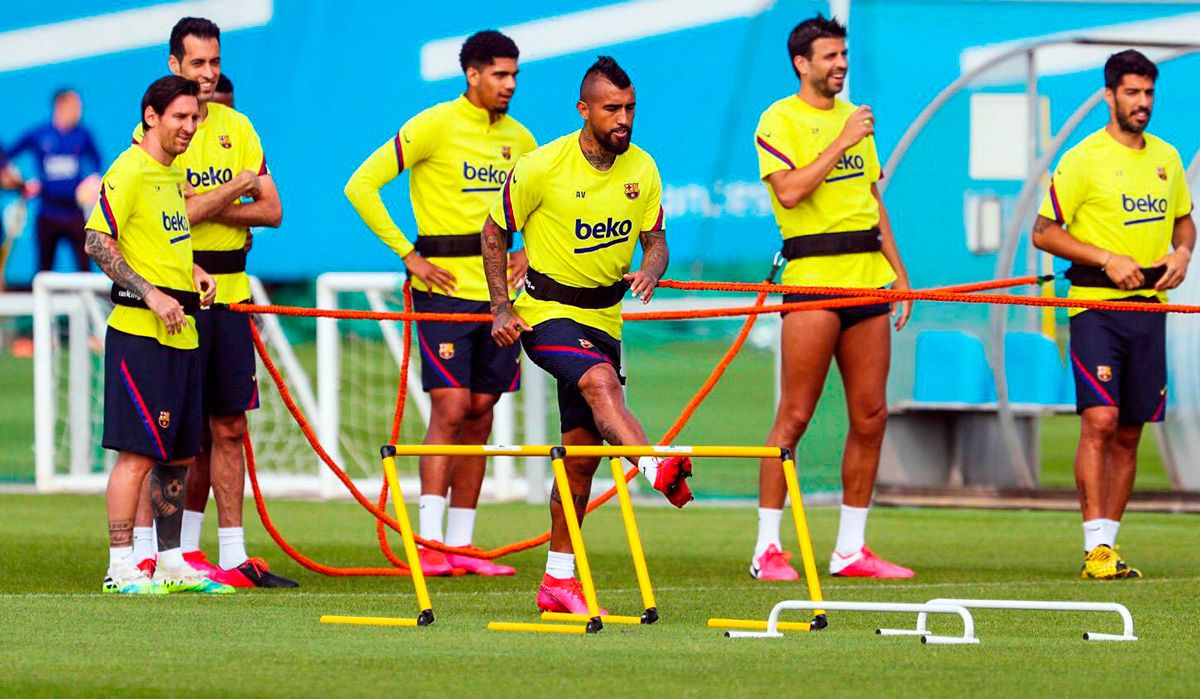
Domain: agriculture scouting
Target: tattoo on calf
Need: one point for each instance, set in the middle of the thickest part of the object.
(120, 533)
(166, 497)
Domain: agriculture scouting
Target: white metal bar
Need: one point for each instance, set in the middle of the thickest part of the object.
(43, 385)
(1032, 605)
(968, 635)
(533, 388)
(504, 431)
(328, 368)
(79, 390)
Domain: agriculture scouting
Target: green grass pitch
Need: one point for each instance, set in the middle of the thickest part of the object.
(60, 637)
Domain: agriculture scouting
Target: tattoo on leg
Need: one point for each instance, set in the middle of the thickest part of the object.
(120, 533)
(166, 497)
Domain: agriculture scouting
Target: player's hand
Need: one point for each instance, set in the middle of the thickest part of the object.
(188, 190)
(858, 126)
(249, 241)
(429, 273)
(642, 284)
(1176, 263)
(206, 284)
(902, 310)
(507, 326)
(168, 311)
(518, 267)
(247, 180)
(1124, 271)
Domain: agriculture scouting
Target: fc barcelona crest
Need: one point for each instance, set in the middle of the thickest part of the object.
(1104, 373)
(224, 141)
(164, 419)
(585, 344)
(506, 151)
(631, 190)
(1162, 174)
(446, 350)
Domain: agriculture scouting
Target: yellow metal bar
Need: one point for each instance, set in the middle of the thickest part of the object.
(581, 560)
(801, 522)
(594, 451)
(406, 533)
(607, 618)
(367, 620)
(536, 628)
(756, 624)
(472, 450)
(631, 533)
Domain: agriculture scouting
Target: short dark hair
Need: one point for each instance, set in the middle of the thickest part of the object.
(162, 93)
(801, 39)
(224, 84)
(191, 26)
(605, 67)
(484, 47)
(1128, 62)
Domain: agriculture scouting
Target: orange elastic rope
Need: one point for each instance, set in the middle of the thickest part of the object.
(397, 419)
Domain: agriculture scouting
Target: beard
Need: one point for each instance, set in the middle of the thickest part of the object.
(1126, 123)
(613, 143)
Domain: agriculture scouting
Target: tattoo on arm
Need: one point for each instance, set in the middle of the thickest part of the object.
(166, 497)
(1040, 224)
(495, 263)
(103, 249)
(655, 256)
(120, 533)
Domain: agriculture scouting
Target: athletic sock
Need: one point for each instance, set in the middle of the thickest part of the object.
(560, 565)
(460, 526)
(189, 531)
(1093, 534)
(768, 530)
(171, 559)
(120, 554)
(1108, 530)
(852, 530)
(143, 544)
(430, 512)
(232, 541)
(648, 465)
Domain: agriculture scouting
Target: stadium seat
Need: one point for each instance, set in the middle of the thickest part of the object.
(1034, 369)
(952, 367)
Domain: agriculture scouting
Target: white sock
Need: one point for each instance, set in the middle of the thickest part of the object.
(170, 559)
(119, 555)
(768, 529)
(232, 541)
(430, 512)
(648, 465)
(560, 565)
(1093, 534)
(460, 526)
(189, 531)
(143, 544)
(1109, 529)
(852, 530)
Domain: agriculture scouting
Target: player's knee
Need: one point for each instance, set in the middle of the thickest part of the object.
(1127, 437)
(600, 383)
(869, 423)
(794, 420)
(1098, 424)
(228, 428)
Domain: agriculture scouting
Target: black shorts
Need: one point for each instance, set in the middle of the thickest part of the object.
(463, 355)
(566, 349)
(151, 397)
(849, 317)
(227, 363)
(1120, 360)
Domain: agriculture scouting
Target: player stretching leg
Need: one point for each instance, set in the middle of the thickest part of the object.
(1118, 233)
(817, 156)
(579, 201)
(140, 236)
(225, 143)
(459, 153)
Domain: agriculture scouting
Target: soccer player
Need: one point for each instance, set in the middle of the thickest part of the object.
(459, 153)
(225, 143)
(224, 92)
(1119, 209)
(140, 237)
(817, 155)
(65, 155)
(583, 202)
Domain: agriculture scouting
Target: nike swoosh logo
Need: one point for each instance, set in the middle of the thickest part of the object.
(755, 570)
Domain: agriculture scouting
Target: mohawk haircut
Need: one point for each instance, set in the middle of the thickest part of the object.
(605, 67)
(1128, 62)
(484, 47)
(801, 39)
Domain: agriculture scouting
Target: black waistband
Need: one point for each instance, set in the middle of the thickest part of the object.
(190, 300)
(841, 243)
(220, 261)
(1087, 275)
(465, 245)
(543, 288)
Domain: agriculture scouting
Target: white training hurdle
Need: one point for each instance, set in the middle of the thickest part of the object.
(1029, 605)
(968, 635)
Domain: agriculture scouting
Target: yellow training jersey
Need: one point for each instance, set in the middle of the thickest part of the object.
(459, 160)
(142, 207)
(791, 134)
(581, 225)
(225, 144)
(1119, 199)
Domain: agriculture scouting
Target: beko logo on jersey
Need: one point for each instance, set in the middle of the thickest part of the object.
(1153, 208)
(607, 232)
(211, 178)
(488, 174)
(176, 222)
(850, 162)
